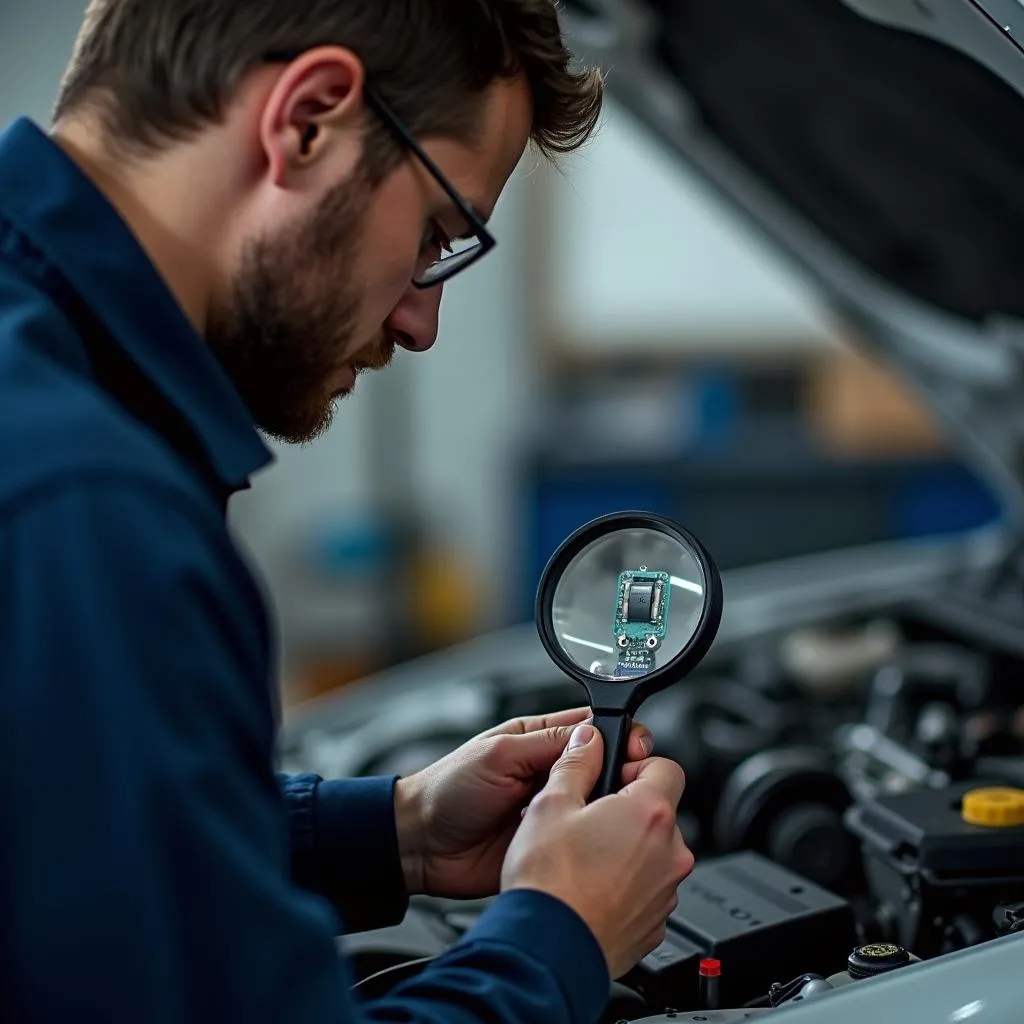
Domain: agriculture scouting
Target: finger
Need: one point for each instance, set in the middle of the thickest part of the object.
(532, 752)
(535, 723)
(529, 757)
(640, 744)
(656, 936)
(632, 769)
(575, 773)
(659, 772)
(652, 940)
(684, 858)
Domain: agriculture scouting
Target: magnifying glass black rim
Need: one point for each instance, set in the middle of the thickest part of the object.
(607, 694)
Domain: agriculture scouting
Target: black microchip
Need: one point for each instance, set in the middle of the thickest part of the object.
(641, 597)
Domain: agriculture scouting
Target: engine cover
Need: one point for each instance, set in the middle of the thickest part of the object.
(937, 876)
(764, 923)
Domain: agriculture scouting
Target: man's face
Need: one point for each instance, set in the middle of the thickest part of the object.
(326, 292)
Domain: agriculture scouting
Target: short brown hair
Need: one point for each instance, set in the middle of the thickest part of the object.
(159, 70)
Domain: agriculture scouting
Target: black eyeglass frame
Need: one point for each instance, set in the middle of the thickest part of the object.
(486, 240)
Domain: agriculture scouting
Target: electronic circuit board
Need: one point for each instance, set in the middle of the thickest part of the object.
(641, 619)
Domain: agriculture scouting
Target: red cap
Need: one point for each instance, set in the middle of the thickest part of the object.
(710, 968)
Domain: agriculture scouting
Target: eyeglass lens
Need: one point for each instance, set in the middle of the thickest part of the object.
(459, 253)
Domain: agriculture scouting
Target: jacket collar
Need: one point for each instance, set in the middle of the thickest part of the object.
(45, 196)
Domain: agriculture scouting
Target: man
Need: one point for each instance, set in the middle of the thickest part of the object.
(243, 204)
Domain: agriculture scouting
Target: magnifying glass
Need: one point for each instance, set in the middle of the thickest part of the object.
(627, 606)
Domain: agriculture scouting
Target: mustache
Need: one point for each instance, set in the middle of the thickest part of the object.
(379, 354)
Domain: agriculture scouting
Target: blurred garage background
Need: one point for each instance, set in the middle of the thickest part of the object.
(630, 343)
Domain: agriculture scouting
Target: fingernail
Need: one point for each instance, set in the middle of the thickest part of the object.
(581, 736)
(646, 745)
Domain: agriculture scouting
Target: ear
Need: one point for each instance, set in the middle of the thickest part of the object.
(315, 107)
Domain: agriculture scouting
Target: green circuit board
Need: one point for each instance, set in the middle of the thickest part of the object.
(641, 619)
(641, 604)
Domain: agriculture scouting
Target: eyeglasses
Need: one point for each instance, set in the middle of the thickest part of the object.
(456, 254)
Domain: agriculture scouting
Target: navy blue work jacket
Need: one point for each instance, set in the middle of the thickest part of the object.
(153, 867)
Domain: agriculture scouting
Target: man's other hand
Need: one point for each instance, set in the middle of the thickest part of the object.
(457, 817)
(618, 861)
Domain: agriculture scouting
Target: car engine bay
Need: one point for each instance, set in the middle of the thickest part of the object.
(855, 789)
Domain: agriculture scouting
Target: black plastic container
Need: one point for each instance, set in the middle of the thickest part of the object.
(938, 877)
(762, 922)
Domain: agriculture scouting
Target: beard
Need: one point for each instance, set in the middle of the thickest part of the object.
(290, 324)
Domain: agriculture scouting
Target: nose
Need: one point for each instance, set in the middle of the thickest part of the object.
(413, 322)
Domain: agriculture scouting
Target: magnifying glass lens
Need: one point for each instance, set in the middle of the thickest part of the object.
(627, 605)
(628, 602)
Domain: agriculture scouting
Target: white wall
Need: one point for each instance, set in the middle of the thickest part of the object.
(643, 250)
(35, 43)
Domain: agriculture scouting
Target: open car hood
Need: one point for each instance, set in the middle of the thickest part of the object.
(880, 145)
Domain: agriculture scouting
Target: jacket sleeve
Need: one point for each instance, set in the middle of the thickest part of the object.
(150, 878)
(345, 848)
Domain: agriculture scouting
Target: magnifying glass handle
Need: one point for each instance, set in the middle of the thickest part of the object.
(614, 730)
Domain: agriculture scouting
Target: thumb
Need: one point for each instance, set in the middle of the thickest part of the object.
(576, 772)
(537, 751)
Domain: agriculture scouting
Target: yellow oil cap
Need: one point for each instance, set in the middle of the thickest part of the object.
(995, 807)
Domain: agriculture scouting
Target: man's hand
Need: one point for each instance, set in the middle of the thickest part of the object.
(457, 817)
(618, 861)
